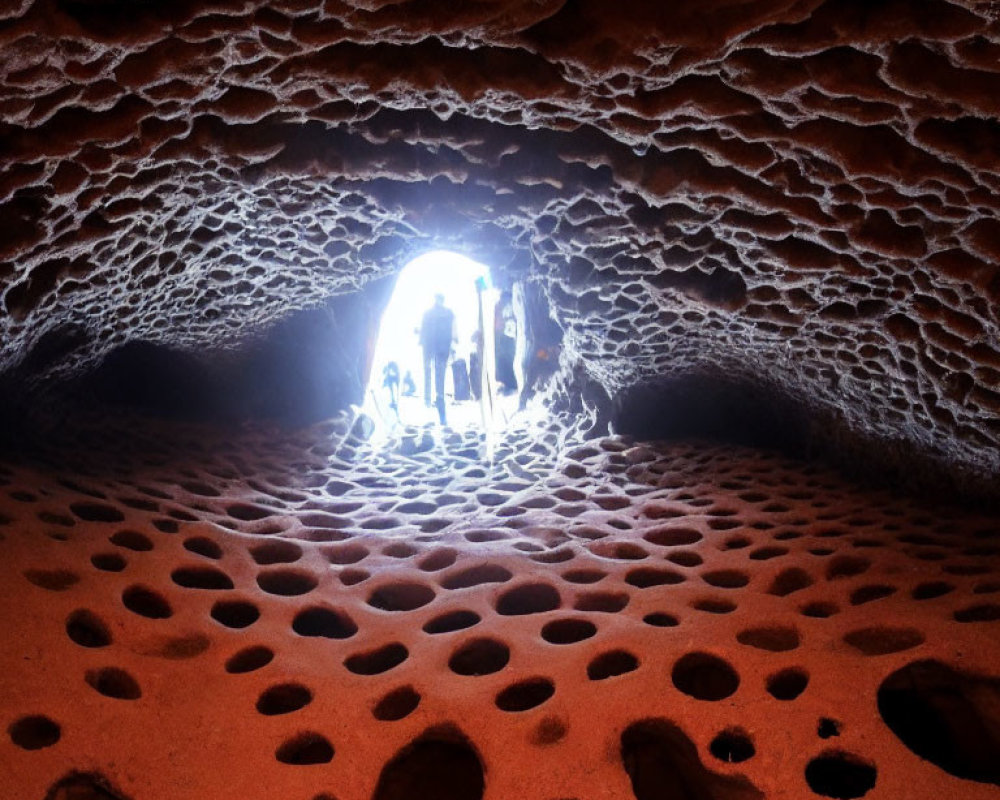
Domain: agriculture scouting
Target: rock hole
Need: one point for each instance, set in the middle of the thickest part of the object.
(201, 578)
(132, 540)
(55, 580)
(346, 554)
(704, 676)
(235, 613)
(820, 610)
(276, 552)
(879, 641)
(530, 598)
(438, 560)
(97, 512)
(381, 523)
(584, 575)
(286, 582)
(788, 683)
(396, 705)
(931, 589)
(248, 513)
(525, 695)
(605, 602)
(611, 664)
(401, 596)
(984, 612)
(789, 581)
(732, 746)
(775, 638)
(645, 577)
(326, 622)
(672, 537)
(659, 619)
(399, 550)
(114, 682)
(452, 621)
(841, 775)
(568, 631)
(203, 546)
(377, 661)
(349, 577)
(685, 558)
(766, 553)
(846, 567)
(619, 551)
(284, 698)
(477, 575)
(442, 769)
(867, 594)
(479, 657)
(946, 717)
(82, 786)
(726, 579)
(146, 603)
(34, 732)
(305, 749)
(108, 562)
(249, 659)
(714, 605)
(662, 762)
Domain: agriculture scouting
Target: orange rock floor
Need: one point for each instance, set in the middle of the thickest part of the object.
(306, 617)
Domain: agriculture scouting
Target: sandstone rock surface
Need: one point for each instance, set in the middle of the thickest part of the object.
(803, 194)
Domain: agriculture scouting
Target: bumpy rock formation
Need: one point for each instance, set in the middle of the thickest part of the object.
(802, 194)
(213, 618)
(772, 222)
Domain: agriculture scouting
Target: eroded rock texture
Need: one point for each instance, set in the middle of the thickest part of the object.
(306, 615)
(773, 217)
(800, 194)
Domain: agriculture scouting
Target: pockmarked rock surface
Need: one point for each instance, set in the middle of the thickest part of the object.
(230, 618)
(800, 194)
(774, 222)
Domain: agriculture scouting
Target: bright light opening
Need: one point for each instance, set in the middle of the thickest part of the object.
(456, 278)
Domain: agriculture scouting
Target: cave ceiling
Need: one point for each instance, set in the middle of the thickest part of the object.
(801, 193)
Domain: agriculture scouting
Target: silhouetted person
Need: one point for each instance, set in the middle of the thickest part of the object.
(476, 365)
(435, 339)
(409, 385)
(504, 331)
(390, 380)
(460, 380)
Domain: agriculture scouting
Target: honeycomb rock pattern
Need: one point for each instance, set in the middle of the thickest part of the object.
(311, 616)
(800, 193)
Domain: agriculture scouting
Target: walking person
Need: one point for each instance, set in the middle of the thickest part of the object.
(435, 340)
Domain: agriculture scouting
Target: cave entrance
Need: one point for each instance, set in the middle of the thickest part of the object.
(413, 344)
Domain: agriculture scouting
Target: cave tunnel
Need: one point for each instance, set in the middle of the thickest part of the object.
(738, 535)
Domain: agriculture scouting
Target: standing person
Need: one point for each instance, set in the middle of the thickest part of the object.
(409, 385)
(435, 339)
(505, 344)
(475, 364)
(390, 380)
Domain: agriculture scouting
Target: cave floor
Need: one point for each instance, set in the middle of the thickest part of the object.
(286, 615)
